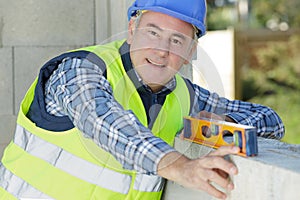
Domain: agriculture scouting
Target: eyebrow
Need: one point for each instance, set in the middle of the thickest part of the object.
(160, 29)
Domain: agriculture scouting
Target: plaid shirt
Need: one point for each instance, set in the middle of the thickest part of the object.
(79, 90)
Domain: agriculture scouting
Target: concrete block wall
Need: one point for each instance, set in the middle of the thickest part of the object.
(48, 23)
(33, 31)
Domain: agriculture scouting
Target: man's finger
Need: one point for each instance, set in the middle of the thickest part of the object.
(225, 150)
(217, 162)
(215, 177)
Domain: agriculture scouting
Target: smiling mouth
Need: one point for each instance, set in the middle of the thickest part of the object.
(155, 63)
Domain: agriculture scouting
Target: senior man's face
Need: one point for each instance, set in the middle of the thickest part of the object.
(160, 45)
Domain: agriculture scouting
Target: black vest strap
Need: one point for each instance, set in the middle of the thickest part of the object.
(37, 111)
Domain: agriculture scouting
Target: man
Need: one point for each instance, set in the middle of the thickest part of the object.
(99, 122)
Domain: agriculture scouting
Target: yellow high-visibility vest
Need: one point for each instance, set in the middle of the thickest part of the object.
(45, 164)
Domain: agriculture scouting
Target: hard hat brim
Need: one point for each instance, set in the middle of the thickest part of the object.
(198, 24)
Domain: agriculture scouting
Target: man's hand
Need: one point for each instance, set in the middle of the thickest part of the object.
(200, 173)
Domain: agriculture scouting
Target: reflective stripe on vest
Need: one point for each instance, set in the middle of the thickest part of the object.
(18, 187)
(71, 164)
(145, 183)
(67, 162)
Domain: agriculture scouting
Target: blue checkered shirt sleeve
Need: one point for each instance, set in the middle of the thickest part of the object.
(79, 90)
(266, 120)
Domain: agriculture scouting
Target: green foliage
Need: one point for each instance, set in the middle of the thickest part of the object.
(275, 81)
(219, 18)
(272, 14)
(276, 10)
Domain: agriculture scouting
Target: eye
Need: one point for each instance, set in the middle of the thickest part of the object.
(153, 33)
(176, 41)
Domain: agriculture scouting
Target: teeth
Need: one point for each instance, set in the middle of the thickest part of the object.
(154, 63)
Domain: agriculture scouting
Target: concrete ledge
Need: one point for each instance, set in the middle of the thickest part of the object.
(274, 174)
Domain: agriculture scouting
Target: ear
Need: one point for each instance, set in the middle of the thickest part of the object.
(191, 53)
(131, 29)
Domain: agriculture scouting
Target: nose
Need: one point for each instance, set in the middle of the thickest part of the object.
(163, 48)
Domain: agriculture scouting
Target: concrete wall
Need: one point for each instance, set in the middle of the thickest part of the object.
(272, 175)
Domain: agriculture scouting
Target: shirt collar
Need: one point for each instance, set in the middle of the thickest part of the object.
(170, 86)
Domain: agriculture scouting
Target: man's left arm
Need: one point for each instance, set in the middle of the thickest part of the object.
(265, 119)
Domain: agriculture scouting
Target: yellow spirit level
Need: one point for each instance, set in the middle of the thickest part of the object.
(213, 133)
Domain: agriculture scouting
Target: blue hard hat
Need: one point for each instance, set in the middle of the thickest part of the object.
(191, 11)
